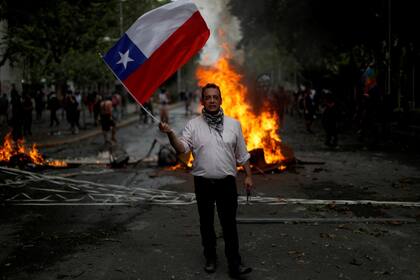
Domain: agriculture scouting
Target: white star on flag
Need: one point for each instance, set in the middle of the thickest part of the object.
(124, 58)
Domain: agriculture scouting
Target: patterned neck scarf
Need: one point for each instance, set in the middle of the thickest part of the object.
(214, 121)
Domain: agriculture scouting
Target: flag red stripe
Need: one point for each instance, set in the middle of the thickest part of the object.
(171, 55)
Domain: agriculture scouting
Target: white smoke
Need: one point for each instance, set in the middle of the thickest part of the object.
(218, 18)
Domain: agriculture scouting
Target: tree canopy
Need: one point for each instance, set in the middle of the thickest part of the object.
(61, 39)
(329, 41)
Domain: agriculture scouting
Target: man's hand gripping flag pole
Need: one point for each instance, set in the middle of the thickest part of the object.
(155, 47)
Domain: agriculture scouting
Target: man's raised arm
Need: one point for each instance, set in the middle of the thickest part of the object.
(173, 139)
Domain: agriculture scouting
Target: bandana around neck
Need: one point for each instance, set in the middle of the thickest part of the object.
(214, 121)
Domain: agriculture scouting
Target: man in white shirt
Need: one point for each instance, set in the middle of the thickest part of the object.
(217, 144)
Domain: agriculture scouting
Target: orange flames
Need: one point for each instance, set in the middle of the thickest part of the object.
(11, 148)
(260, 131)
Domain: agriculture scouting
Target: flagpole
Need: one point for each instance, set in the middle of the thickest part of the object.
(141, 105)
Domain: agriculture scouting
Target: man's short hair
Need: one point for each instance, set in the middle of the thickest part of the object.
(210, 85)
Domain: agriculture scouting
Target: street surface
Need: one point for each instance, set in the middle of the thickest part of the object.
(140, 222)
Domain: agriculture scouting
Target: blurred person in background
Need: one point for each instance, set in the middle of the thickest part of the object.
(107, 120)
(163, 103)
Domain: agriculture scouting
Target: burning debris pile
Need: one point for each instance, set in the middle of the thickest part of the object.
(261, 131)
(15, 153)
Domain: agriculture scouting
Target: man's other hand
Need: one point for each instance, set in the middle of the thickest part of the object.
(248, 183)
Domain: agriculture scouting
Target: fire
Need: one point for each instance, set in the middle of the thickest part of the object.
(11, 148)
(35, 155)
(260, 131)
(282, 167)
(183, 164)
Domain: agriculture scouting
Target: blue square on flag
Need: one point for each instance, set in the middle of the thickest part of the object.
(124, 57)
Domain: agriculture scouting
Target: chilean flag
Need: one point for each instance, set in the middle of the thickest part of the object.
(156, 45)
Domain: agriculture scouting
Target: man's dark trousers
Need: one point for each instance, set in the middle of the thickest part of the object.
(222, 192)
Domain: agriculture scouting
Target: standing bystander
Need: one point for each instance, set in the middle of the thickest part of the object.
(4, 109)
(39, 104)
(308, 110)
(116, 106)
(17, 114)
(188, 101)
(144, 117)
(97, 108)
(53, 106)
(329, 121)
(163, 102)
(107, 120)
(78, 99)
(27, 114)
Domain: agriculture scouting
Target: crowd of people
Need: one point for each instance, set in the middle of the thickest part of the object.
(17, 110)
(362, 111)
(334, 110)
(68, 112)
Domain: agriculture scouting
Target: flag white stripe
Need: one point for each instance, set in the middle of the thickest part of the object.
(155, 27)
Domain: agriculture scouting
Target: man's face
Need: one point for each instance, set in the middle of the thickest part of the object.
(211, 100)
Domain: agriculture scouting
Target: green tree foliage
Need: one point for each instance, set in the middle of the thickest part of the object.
(61, 39)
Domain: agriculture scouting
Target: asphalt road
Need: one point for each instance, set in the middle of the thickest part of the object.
(353, 215)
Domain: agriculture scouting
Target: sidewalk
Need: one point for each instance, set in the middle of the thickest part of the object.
(42, 136)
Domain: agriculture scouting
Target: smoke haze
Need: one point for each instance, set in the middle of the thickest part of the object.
(224, 28)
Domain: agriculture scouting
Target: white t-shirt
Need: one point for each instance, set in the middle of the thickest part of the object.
(215, 155)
